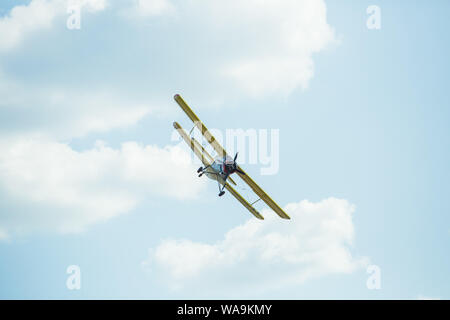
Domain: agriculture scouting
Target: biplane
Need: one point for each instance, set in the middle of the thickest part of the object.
(223, 166)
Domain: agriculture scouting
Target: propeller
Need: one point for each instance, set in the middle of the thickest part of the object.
(235, 164)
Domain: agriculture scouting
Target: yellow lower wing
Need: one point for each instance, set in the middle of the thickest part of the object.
(244, 202)
(191, 143)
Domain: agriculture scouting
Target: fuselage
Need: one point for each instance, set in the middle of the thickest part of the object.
(220, 169)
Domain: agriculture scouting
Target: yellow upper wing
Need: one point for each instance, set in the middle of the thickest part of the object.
(209, 137)
(244, 202)
(221, 151)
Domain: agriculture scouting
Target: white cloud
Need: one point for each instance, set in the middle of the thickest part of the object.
(63, 113)
(48, 186)
(265, 254)
(92, 5)
(58, 84)
(23, 20)
(228, 50)
(3, 235)
(286, 74)
(154, 7)
(259, 49)
(279, 39)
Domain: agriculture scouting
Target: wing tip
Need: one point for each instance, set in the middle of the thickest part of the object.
(176, 125)
(283, 215)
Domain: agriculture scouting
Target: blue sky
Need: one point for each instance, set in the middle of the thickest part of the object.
(89, 173)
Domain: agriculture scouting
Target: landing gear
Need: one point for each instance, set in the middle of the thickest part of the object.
(202, 170)
(219, 178)
(221, 187)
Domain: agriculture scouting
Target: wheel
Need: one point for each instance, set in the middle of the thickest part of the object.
(199, 169)
(221, 193)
